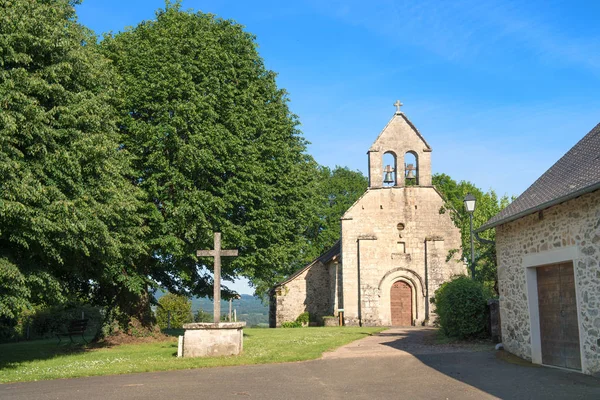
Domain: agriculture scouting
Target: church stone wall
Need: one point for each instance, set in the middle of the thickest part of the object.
(390, 234)
(416, 253)
(398, 138)
(573, 224)
(308, 291)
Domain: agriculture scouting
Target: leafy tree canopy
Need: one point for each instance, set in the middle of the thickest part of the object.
(70, 223)
(215, 148)
(488, 204)
(336, 190)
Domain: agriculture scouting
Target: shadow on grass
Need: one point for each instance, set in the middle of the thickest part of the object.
(173, 332)
(12, 354)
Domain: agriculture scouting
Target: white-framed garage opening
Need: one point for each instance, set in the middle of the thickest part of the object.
(531, 263)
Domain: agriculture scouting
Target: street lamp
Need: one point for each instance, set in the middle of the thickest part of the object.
(470, 207)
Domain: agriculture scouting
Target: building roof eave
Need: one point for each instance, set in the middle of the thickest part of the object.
(330, 254)
(543, 206)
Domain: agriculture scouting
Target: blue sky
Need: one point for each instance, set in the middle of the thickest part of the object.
(500, 89)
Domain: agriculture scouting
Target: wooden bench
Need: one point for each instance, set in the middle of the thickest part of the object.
(76, 327)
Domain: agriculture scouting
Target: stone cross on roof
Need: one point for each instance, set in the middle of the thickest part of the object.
(217, 253)
(397, 104)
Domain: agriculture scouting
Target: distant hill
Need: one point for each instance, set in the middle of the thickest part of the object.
(249, 309)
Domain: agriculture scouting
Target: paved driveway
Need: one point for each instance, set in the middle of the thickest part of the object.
(396, 364)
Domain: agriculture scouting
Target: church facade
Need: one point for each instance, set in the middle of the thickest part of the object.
(394, 245)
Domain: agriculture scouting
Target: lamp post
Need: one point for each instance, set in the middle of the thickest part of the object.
(470, 207)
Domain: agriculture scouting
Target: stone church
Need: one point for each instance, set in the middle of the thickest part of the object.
(393, 248)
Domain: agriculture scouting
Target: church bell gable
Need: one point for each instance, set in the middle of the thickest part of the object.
(400, 156)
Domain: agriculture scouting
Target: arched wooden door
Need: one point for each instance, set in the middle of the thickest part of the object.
(401, 304)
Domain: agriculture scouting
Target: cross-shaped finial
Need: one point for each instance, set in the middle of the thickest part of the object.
(397, 104)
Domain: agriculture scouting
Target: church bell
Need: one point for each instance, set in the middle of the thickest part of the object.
(389, 175)
(410, 171)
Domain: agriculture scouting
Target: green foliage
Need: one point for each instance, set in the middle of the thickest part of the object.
(291, 324)
(14, 292)
(215, 148)
(71, 223)
(303, 318)
(461, 306)
(180, 308)
(119, 161)
(488, 204)
(201, 316)
(335, 192)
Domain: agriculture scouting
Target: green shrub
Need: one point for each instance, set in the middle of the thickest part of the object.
(203, 316)
(303, 318)
(291, 324)
(461, 306)
(178, 307)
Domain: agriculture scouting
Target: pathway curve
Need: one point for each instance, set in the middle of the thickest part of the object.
(398, 342)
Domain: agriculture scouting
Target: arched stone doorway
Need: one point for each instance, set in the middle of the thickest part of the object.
(401, 304)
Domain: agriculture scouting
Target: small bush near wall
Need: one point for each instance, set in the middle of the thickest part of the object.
(461, 306)
(291, 324)
(303, 318)
(301, 321)
(174, 308)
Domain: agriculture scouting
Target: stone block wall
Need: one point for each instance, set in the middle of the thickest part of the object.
(573, 224)
(402, 236)
(398, 138)
(307, 291)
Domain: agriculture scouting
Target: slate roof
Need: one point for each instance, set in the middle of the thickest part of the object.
(324, 258)
(575, 174)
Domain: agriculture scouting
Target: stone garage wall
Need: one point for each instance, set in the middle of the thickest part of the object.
(573, 223)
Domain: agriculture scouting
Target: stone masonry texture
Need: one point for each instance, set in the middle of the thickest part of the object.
(310, 291)
(390, 234)
(573, 223)
(415, 254)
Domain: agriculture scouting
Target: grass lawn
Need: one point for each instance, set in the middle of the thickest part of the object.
(43, 359)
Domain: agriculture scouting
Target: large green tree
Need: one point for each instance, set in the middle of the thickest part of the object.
(71, 224)
(335, 191)
(215, 148)
(488, 204)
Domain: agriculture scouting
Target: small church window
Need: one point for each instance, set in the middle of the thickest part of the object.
(401, 247)
(411, 169)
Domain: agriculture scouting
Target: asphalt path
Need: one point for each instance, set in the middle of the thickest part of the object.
(396, 364)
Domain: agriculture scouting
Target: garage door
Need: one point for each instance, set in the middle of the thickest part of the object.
(558, 316)
(401, 304)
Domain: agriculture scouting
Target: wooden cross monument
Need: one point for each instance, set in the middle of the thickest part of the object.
(217, 253)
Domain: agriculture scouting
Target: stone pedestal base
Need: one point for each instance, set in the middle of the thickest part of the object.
(213, 340)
